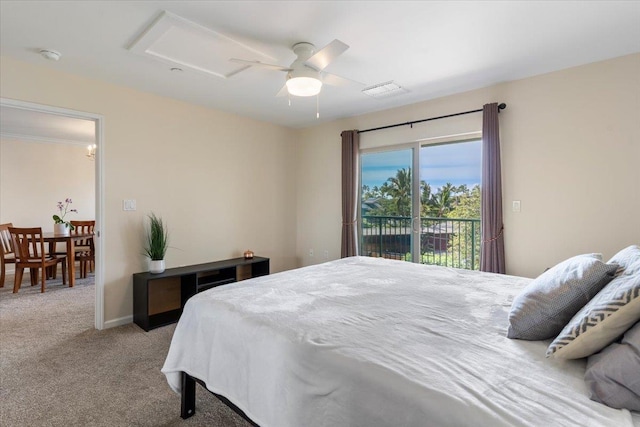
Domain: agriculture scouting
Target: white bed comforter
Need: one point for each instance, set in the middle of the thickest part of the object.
(371, 342)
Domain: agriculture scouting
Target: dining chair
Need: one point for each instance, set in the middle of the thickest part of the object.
(28, 244)
(84, 249)
(7, 254)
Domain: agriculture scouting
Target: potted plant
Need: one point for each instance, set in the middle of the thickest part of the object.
(60, 226)
(156, 244)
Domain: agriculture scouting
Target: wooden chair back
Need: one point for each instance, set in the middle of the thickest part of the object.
(28, 244)
(83, 227)
(7, 254)
(6, 243)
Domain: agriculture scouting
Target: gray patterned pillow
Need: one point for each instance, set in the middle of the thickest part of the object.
(545, 306)
(606, 317)
(612, 375)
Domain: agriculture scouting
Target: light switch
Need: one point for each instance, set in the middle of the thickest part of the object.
(516, 206)
(128, 205)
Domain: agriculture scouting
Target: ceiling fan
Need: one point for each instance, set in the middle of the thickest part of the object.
(305, 75)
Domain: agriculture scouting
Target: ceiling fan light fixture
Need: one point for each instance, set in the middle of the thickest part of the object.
(304, 86)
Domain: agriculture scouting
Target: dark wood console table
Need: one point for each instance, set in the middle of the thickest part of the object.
(158, 299)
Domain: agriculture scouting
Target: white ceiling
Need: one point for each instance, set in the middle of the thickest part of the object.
(431, 49)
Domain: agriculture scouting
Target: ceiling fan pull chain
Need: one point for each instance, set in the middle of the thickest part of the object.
(317, 106)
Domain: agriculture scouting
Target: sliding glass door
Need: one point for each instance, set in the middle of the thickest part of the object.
(387, 204)
(431, 216)
(450, 204)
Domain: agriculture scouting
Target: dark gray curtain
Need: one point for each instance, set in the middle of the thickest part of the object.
(350, 147)
(492, 246)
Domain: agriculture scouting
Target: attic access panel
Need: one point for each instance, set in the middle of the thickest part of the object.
(184, 44)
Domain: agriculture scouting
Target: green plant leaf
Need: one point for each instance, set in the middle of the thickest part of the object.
(157, 239)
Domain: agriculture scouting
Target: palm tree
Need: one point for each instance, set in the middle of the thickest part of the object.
(425, 189)
(442, 201)
(399, 188)
(425, 199)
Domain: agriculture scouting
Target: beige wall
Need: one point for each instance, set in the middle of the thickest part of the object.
(35, 176)
(570, 154)
(223, 183)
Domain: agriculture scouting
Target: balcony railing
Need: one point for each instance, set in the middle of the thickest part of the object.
(451, 242)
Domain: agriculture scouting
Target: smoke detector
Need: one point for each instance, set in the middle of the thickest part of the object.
(50, 54)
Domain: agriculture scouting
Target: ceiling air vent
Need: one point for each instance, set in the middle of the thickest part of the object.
(384, 90)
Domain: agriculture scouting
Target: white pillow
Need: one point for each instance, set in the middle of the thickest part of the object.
(606, 317)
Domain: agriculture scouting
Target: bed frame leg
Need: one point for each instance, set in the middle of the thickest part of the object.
(188, 396)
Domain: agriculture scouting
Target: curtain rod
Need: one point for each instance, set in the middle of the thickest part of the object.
(501, 106)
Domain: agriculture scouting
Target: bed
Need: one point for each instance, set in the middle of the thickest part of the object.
(372, 342)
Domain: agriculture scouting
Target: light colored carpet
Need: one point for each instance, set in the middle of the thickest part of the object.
(57, 370)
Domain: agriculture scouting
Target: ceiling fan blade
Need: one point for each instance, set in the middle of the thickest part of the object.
(327, 54)
(334, 80)
(260, 64)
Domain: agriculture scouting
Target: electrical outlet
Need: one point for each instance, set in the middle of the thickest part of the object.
(326, 254)
(310, 252)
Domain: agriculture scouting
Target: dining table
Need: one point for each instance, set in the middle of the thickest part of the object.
(70, 241)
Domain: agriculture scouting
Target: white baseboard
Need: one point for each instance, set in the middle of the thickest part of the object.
(118, 322)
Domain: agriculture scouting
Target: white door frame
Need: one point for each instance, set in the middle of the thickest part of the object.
(99, 189)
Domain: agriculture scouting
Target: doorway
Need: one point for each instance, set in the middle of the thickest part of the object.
(26, 111)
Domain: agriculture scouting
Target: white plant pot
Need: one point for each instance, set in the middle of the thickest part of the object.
(60, 229)
(156, 266)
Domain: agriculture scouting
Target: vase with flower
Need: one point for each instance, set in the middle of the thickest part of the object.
(60, 226)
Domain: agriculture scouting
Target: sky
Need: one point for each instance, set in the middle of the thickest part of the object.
(458, 163)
